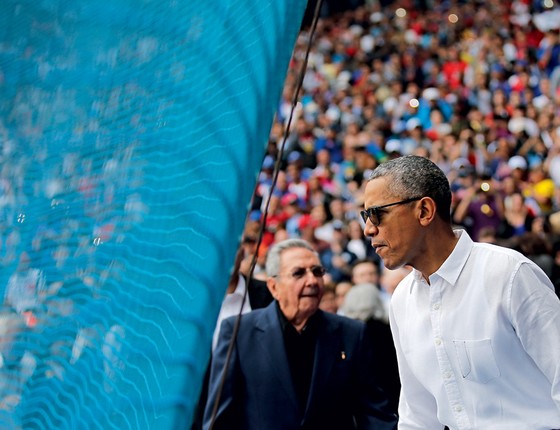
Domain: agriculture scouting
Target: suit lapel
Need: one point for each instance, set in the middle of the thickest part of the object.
(271, 342)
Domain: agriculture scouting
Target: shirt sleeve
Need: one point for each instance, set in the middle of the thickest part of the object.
(535, 316)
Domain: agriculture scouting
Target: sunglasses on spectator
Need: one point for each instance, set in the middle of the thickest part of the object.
(300, 272)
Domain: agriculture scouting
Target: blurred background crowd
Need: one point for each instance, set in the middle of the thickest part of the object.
(472, 85)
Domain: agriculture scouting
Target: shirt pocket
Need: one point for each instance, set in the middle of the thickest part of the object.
(476, 360)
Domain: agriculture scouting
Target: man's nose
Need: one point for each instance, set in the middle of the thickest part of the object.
(370, 230)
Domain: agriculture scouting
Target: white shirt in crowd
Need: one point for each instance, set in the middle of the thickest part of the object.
(230, 306)
(478, 347)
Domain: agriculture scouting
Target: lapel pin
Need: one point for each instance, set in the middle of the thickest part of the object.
(342, 355)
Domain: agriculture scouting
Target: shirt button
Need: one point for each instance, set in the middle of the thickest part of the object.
(438, 341)
(447, 375)
(458, 408)
(436, 307)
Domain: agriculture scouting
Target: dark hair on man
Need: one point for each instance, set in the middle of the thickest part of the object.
(413, 176)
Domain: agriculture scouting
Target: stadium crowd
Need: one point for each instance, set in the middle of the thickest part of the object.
(474, 86)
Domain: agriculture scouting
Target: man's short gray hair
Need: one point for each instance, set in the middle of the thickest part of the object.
(413, 176)
(273, 257)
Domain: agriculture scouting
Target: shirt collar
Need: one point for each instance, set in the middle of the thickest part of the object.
(453, 265)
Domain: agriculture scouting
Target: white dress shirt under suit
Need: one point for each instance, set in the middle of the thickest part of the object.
(478, 347)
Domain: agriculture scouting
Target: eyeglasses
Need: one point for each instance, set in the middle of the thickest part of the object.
(374, 213)
(300, 272)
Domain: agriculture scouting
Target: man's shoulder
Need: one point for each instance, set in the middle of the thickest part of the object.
(498, 250)
(503, 258)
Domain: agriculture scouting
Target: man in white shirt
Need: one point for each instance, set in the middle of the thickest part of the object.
(233, 304)
(476, 326)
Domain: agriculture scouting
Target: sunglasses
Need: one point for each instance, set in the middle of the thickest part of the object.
(373, 213)
(300, 272)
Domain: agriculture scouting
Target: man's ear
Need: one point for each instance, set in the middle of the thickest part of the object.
(428, 211)
(271, 284)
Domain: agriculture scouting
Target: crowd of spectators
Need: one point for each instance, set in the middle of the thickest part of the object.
(474, 86)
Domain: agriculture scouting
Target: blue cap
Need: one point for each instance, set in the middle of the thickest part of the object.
(255, 215)
(293, 157)
(268, 162)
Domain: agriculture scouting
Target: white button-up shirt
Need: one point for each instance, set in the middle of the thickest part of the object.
(478, 347)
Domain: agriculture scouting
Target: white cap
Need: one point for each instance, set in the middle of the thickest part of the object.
(393, 145)
(412, 123)
(376, 17)
(517, 162)
(431, 93)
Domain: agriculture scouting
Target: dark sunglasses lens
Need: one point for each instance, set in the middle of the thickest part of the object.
(370, 214)
(318, 271)
(299, 273)
(375, 217)
(364, 215)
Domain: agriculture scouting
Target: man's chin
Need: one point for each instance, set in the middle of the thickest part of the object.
(309, 305)
(392, 264)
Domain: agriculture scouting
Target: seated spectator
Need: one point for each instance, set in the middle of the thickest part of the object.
(365, 271)
(328, 301)
(536, 248)
(480, 206)
(337, 258)
(358, 243)
(341, 289)
(518, 218)
(540, 188)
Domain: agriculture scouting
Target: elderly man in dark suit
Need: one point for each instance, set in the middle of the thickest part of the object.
(257, 296)
(291, 365)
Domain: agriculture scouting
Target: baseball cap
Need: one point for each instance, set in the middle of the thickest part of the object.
(517, 162)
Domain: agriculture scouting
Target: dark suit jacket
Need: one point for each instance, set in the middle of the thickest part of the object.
(259, 297)
(385, 361)
(258, 393)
